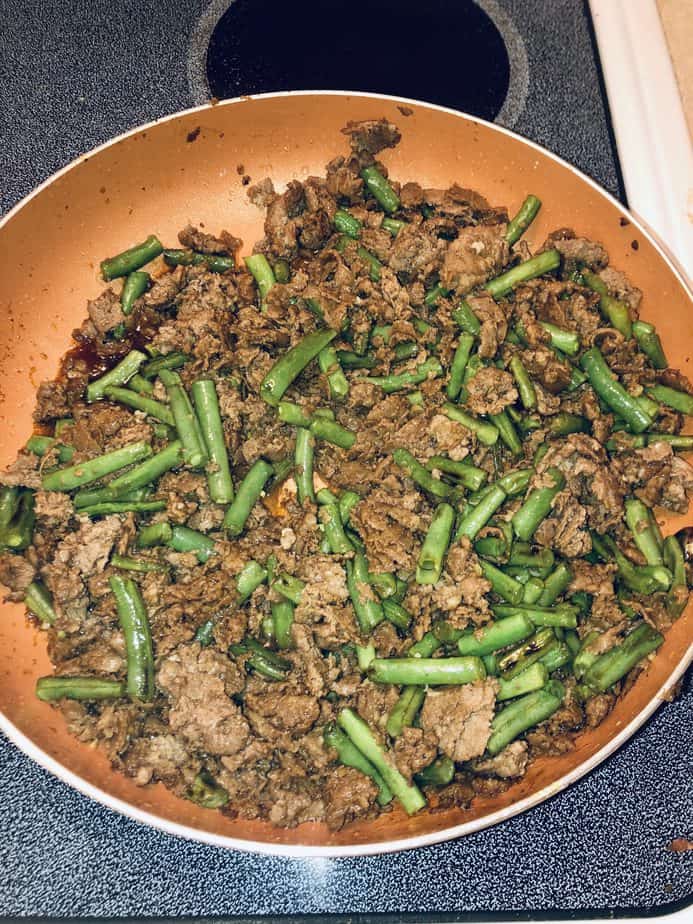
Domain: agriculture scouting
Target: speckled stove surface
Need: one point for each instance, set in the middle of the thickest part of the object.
(75, 74)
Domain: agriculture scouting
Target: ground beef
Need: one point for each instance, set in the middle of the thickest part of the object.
(478, 254)
(349, 795)
(198, 240)
(509, 764)
(106, 311)
(461, 717)
(491, 391)
(386, 519)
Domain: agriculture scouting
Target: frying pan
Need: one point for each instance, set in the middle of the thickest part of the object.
(189, 167)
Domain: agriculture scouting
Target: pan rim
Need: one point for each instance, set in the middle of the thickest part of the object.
(65, 775)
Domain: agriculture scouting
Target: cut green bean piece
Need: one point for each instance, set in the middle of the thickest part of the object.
(405, 710)
(170, 361)
(524, 713)
(139, 384)
(108, 508)
(249, 578)
(465, 318)
(258, 266)
(556, 656)
(139, 402)
(486, 433)
(396, 614)
(209, 415)
(434, 294)
(614, 664)
(362, 737)
(616, 313)
(215, 263)
(566, 341)
(132, 259)
(53, 689)
(459, 363)
(148, 471)
(206, 792)
(555, 583)
(495, 636)
(563, 424)
(427, 671)
(425, 647)
(184, 539)
(347, 501)
(9, 502)
(536, 266)
(507, 431)
(350, 756)
(502, 584)
(533, 589)
(439, 773)
(475, 518)
(369, 612)
(678, 400)
(675, 440)
(384, 582)
(135, 285)
(289, 366)
(534, 678)
(132, 616)
(247, 494)
(289, 587)
(392, 225)
(292, 414)
(380, 189)
(435, 545)
(347, 224)
(136, 564)
(186, 422)
(539, 563)
(528, 395)
(39, 602)
(430, 368)
(332, 432)
(645, 531)
(66, 479)
(537, 505)
(563, 615)
(612, 392)
(283, 619)
(649, 342)
(677, 597)
(329, 365)
(118, 375)
(416, 471)
(333, 528)
(513, 662)
(467, 474)
(40, 445)
(154, 534)
(305, 446)
(524, 218)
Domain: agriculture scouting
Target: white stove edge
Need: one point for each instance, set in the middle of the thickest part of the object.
(654, 145)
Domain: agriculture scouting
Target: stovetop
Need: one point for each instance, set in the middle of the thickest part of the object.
(74, 75)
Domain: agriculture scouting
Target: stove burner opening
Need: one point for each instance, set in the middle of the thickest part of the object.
(442, 51)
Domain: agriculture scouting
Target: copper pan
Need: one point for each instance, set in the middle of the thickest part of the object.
(189, 167)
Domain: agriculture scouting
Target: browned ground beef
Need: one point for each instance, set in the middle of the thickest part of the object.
(213, 716)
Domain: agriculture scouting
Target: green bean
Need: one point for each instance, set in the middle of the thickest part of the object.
(282, 271)
(132, 259)
(282, 619)
(459, 363)
(486, 433)
(138, 640)
(140, 402)
(332, 432)
(425, 647)
(564, 340)
(148, 471)
(154, 534)
(434, 294)
(262, 660)
(530, 269)
(373, 262)
(40, 445)
(204, 635)
(396, 614)
(139, 384)
(534, 678)
(186, 422)
(555, 657)
(136, 284)
(494, 547)
(292, 363)
(475, 518)
(616, 312)
(645, 531)
(9, 502)
(430, 368)
(411, 467)
(362, 737)
(89, 496)
(650, 344)
(677, 597)
(427, 671)
(555, 583)
(675, 440)
(515, 482)
(612, 392)
(219, 472)
(347, 501)
(563, 615)
(528, 395)
(329, 365)
(364, 656)
(572, 640)
(533, 589)
(466, 473)
(292, 414)
(247, 493)
(66, 479)
(52, 689)
(501, 583)
(39, 602)
(347, 224)
(289, 587)
(215, 263)
(184, 539)
(678, 400)
(563, 424)
(380, 189)
(135, 564)
(430, 562)
(384, 582)
(540, 562)
(350, 756)
(537, 505)
(524, 218)
(614, 664)
(439, 773)
(392, 225)
(408, 349)
(206, 792)
(262, 272)
(465, 318)
(507, 431)
(369, 612)
(170, 361)
(305, 445)
(118, 375)
(522, 714)
(496, 635)
(405, 710)
(645, 580)
(109, 508)
(526, 653)
(333, 528)
(249, 578)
